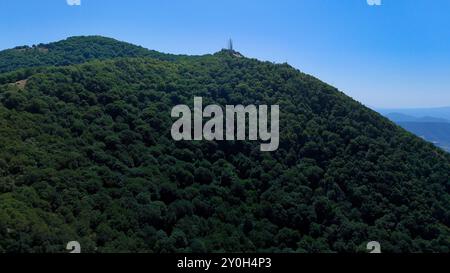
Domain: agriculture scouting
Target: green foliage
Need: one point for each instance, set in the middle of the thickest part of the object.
(74, 50)
(86, 154)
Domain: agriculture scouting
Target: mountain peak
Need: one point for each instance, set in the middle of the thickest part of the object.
(229, 52)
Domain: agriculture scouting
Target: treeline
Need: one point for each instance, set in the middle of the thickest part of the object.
(74, 50)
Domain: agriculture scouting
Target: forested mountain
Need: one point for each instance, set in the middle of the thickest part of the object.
(86, 154)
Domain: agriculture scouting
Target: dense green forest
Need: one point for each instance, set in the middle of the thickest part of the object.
(86, 154)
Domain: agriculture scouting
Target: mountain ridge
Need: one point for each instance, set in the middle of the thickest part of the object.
(436, 112)
(74, 50)
(399, 117)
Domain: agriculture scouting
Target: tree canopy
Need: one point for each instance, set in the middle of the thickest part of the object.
(86, 155)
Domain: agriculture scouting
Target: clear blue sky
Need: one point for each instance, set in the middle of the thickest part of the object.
(393, 55)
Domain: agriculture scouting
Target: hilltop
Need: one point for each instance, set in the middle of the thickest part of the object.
(73, 50)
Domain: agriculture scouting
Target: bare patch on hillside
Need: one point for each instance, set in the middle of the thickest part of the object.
(21, 84)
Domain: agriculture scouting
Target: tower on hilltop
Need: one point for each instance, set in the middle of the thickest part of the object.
(230, 45)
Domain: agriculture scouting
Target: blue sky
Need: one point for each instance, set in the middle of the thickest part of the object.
(394, 55)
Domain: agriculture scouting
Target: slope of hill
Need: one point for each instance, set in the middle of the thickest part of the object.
(86, 154)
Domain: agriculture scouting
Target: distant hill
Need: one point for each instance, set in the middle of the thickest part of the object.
(86, 154)
(439, 112)
(399, 117)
